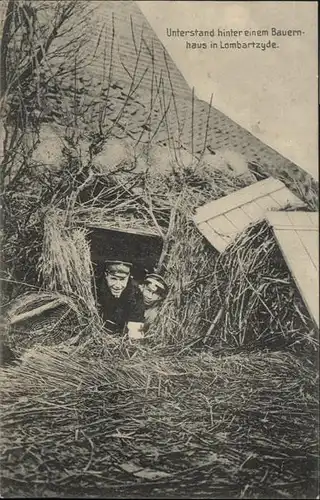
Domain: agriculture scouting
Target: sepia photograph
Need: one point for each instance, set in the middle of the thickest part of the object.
(159, 269)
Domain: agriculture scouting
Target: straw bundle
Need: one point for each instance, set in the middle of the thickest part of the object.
(259, 302)
(114, 154)
(187, 313)
(41, 318)
(233, 427)
(130, 216)
(229, 161)
(187, 263)
(66, 263)
(66, 270)
(243, 300)
(183, 317)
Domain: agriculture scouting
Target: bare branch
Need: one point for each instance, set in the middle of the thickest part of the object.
(172, 145)
(163, 110)
(6, 32)
(132, 88)
(192, 120)
(207, 130)
(39, 54)
(110, 73)
(133, 35)
(173, 92)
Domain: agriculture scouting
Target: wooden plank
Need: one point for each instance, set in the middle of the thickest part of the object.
(290, 220)
(301, 219)
(254, 211)
(314, 218)
(268, 203)
(239, 218)
(285, 197)
(222, 226)
(53, 304)
(237, 199)
(310, 241)
(296, 228)
(216, 241)
(301, 268)
(277, 219)
(305, 219)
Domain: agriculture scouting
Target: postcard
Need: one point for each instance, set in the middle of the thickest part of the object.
(159, 249)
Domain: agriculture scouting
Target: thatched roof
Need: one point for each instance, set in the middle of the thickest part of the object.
(119, 29)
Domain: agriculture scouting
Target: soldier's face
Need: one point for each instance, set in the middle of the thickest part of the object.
(117, 283)
(151, 294)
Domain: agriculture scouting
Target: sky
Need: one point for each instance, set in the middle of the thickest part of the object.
(272, 93)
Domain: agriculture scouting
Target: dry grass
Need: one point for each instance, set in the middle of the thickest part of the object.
(98, 416)
(245, 298)
(66, 262)
(237, 300)
(48, 327)
(233, 426)
(259, 301)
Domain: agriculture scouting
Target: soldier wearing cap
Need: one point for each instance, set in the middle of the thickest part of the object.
(121, 300)
(154, 290)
